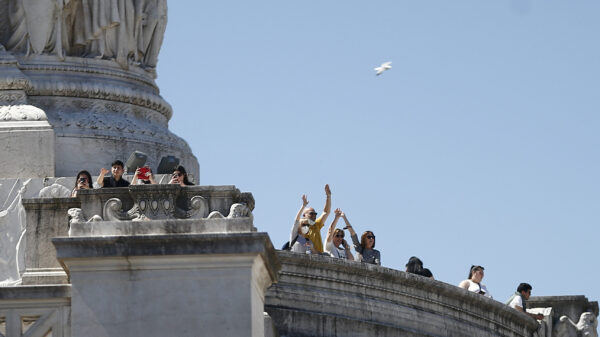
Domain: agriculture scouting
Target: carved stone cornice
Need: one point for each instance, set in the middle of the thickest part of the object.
(99, 90)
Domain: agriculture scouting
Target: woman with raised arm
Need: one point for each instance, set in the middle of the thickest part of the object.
(299, 241)
(365, 249)
(335, 244)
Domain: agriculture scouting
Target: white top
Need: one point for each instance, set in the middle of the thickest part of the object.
(335, 251)
(479, 288)
(517, 301)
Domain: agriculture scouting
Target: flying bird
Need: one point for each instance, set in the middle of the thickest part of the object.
(383, 67)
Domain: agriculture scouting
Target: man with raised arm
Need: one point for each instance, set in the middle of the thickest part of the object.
(116, 180)
(314, 231)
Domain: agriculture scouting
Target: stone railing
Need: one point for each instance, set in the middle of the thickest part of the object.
(35, 311)
(135, 210)
(322, 296)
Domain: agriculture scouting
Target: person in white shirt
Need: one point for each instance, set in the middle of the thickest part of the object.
(335, 244)
(473, 282)
(517, 300)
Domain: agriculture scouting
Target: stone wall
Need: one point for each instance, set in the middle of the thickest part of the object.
(323, 296)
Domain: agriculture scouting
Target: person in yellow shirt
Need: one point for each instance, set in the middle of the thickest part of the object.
(314, 231)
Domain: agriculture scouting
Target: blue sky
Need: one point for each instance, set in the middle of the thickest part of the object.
(479, 146)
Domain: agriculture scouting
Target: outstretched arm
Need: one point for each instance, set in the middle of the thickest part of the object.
(304, 203)
(348, 225)
(327, 208)
(331, 229)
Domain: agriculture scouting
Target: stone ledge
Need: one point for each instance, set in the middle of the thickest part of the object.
(373, 298)
(161, 227)
(164, 245)
(50, 203)
(35, 292)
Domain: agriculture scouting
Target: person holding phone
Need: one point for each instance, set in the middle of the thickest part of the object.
(335, 244)
(180, 177)
(82, 182)
(143, 175)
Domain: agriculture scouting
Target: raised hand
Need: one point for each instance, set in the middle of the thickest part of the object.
(338, 212)
(304, 200)
(327, 190)
(103, 171)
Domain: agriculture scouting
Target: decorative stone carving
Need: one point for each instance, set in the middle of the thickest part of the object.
(129, 32)
(239, 211)
(236, 211)
(55, 191)
(113, 211)
(76, 215)
(585, 327)
(153, 206)
(215, 215)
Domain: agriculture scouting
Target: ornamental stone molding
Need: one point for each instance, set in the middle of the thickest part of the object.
(89, 70)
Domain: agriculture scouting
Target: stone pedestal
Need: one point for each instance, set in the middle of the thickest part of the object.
(46, 218)
(168, 285)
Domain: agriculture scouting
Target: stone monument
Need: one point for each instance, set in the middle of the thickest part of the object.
(77, 91)
(77, 86)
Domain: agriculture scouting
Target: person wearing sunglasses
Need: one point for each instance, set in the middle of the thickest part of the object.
(82, 182)
(473, 282)
(299, 240)
(335, 244)
(314, 231)
(180, 177)
(365, 249)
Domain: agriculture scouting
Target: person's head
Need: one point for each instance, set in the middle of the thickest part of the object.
(310, 213)
(525, 290)
(427, 273)
(338, 237)
(414, 265)
(117, 169)
(304, 226)
(180, 174)
(367, 240)
(83, 180)
(476, 273)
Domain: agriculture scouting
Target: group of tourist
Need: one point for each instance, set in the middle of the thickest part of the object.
(305, 237)
(142, 176)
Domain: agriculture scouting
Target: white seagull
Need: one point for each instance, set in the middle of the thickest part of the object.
(383, 67)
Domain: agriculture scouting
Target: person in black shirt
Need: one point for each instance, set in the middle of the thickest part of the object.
(116, 180)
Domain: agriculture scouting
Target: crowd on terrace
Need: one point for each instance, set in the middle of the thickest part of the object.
(305, 238)
(142, 175)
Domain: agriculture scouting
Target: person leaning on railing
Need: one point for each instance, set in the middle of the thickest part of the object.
(473, 282)
(365, 249)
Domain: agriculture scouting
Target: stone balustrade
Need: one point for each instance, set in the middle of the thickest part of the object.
(323, 296)
(35, 311)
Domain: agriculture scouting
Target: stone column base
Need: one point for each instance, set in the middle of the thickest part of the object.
(168, 285)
